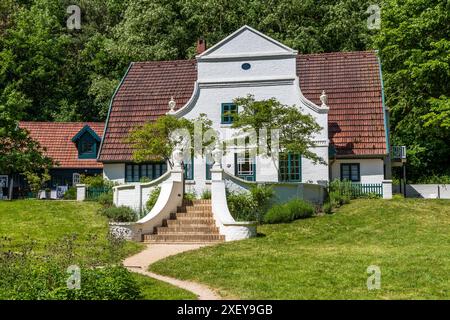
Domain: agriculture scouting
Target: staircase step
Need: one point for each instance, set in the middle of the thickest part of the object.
(193, 208)
(195, 214)
(197, 220)
(192, 223)
(187, 223)
(196, 201)
(202, 229)
(183, 238)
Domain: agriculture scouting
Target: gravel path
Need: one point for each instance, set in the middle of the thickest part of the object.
(140, 262)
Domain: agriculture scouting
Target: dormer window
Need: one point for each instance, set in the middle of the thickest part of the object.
(87, 142)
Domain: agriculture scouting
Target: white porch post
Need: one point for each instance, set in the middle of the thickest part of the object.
(387, 189)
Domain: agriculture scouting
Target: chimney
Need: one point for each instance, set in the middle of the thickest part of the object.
(201, 45)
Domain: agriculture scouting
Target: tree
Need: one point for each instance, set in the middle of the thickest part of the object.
(414, 49)
(37, 180)
(157, 140)
(296, 130)
(19, 153)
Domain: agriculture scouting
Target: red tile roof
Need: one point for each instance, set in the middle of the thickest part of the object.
(56, 138)
(351, 81)
(353, 85)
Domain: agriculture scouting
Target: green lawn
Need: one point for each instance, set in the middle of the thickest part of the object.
(47, 222)
(327, 257)
(153, 289)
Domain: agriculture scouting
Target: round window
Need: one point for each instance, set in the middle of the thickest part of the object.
(246, 66)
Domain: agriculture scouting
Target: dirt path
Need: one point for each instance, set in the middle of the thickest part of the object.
(140, 262)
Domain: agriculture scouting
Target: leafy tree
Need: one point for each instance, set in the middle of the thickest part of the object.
(37, 180)
(157, 140)
(414, 49)
(21, 154)
(296, 129)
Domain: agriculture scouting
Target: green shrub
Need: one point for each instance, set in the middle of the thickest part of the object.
(153, 197)
(335, 198)
(242, 206)
(327, 208)
(397, 196)
(119, 214)
(70, 194)
(26, 276)
(434, 179)
(190, 196)
(289, 211)
(145, 180)
(106, 199)
(96, 181)
(370, 195)
(206, 194)
(262, 196)
(250, 206)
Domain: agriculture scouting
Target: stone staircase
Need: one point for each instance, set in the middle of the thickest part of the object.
(192, 223)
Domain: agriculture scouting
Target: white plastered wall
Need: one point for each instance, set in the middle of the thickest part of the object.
(371, 170)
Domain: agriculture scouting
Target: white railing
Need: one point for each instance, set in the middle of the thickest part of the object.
(399, 152)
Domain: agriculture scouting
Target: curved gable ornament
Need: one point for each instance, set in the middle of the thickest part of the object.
(308, 103)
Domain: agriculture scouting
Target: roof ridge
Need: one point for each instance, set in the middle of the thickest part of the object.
(61, 122)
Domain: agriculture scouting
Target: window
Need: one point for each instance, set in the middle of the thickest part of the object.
(290, 167)
(135, 172)
(86, 146)
(189, 168)
(228, 112)
(86, 141)
(76, 178)
(350, 171)
(245, 166)
(246, 66)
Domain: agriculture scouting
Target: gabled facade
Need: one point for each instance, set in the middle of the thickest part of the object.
(353, 140)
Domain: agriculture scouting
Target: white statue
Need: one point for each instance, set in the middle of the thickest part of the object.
(324, 99)
(217, 156)
(177, 156)
(172, 105)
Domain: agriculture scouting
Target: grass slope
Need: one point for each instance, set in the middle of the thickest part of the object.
(47, 222)
(327, 257)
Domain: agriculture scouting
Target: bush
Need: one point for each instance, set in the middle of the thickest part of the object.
(96, 181)
(106, 199)
(289, 211)
(70, 194)
(262, 196)
(145, 180)
(250, 206)
(26, 276)
(397, 196)
(206, 194)
(335, 199)
(242, 206)
(153, 197)
(370, 195)
(190, 196)
(327, 208)
(435, 179)
(119, 214)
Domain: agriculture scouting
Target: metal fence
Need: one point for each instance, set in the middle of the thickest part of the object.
(92, 193)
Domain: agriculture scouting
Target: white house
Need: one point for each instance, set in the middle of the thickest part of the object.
(342, 91)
